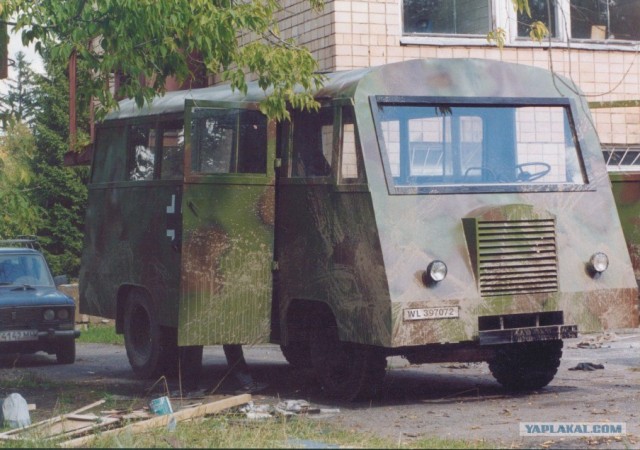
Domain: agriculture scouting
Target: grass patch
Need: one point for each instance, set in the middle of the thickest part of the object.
(234, 431)
(17, 380)
(100, 334)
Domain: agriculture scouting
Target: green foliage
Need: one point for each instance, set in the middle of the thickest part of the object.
(38, 194)
(18, 104)
(537, 30)
(150, 40)
(60, 191)
(18, 213)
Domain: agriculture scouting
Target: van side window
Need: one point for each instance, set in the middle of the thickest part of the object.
(109, 159)
(351, 161)
(229, 141)
(312, 143)
(172, 150)
(141, 152)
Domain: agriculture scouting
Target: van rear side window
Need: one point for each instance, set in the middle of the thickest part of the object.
(141, 151)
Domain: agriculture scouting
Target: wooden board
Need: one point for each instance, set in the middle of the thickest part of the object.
(162, 421)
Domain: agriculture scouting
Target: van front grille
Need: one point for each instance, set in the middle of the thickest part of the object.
(517, 257)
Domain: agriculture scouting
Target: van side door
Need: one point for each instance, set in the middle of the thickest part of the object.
(228, 225)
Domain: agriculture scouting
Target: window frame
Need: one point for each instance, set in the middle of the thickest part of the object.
(504, 16)
(490, 20)
(394, 189)
(191, 176)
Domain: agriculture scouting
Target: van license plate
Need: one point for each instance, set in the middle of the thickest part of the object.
(18, 335)
(445, 312)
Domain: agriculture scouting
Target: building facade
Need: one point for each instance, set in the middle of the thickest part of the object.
(594, 42)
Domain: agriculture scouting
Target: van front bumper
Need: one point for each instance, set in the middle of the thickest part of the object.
(531, 334)
(526, 327)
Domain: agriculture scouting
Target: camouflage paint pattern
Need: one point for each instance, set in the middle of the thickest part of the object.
(226, 267)
(126, 244)
(626, 190)
(227, 251)
(356, 249)
(416, 229)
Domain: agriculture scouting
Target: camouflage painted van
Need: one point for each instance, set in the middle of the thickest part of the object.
(442, 210)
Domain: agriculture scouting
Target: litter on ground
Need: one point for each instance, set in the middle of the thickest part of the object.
(77, 429)
(587, 366)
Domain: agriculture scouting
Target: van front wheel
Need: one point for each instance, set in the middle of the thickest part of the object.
(345, 370)
(529, 366)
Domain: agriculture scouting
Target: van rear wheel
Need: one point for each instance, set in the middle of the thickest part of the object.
(144, 339)
(345, 370)
(528, 366)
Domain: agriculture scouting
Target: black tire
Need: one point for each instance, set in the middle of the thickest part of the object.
(147, 345)
(523, 367)
(345, 370)
(66, 351)
(297, 354)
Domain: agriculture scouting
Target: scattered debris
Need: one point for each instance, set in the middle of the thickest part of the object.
(80, 428)
(168, 420)
(15, 411)
(71, 424)
(284, 408)
(161, 406)
(587, 366)
(593, 342)
(256, 412)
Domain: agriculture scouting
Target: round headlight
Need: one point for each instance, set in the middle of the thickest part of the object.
(63, 314)
(436, 272)
(49, 314)
(599, 262)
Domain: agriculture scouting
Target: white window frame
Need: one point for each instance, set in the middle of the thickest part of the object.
(504, 16)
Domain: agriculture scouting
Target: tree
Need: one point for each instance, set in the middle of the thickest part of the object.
(38, 194)
(18, 213)
(18, 105)
(59, 191)
(151, 40)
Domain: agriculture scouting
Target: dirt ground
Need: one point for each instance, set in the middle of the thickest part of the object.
(459, 401)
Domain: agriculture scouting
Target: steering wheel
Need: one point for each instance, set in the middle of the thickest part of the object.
(524, 175)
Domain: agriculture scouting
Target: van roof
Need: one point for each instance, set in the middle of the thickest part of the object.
(456, 76)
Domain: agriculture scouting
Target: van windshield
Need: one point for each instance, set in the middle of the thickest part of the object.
(451, 144)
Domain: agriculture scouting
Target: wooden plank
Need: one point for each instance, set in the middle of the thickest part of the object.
(162, 421)
(10, 433)
(104, 422)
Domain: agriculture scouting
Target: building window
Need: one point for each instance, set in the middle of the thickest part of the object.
(451, 17)
(605, 19)
(541, 11)
(625, 158)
